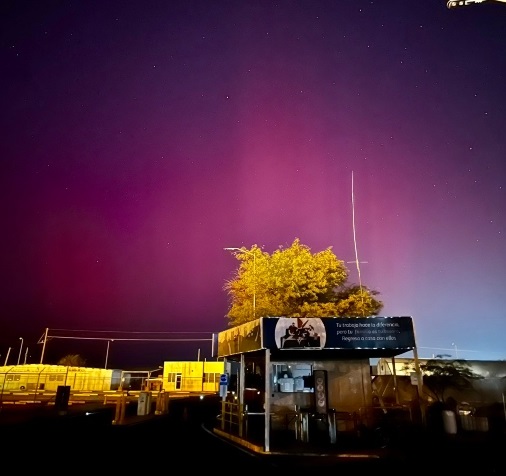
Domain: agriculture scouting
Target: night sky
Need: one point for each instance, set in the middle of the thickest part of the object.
(140, 138)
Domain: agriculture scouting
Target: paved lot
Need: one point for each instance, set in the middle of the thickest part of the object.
(182, 441)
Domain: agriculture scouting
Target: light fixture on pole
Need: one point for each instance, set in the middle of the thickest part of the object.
(20, 349)
(107, 352)
(243, 250)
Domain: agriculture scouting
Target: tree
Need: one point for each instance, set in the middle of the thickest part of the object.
(441, 375)
(72, 360)
(293, 282)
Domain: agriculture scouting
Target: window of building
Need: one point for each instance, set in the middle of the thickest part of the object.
(175, 378)
(211, 377)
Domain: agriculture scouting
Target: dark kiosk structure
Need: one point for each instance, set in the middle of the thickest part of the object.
(305, 377)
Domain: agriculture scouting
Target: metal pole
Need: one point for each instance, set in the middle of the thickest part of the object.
(20, 348)
(107, 354)
(267, 401)
(44, 345)
(203, 373)
(395, 381)
(419, 383)
(26, 355)
(7, 356)
(242, 374)
(254, 286)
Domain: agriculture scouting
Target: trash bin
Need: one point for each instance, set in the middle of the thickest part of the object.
(162, 403)
(61, 401)
(144, 403)
(449, 422)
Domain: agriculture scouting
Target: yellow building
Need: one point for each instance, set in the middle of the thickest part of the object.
(199, 376)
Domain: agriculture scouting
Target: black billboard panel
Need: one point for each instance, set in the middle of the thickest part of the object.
(314, 333)
(286, 333)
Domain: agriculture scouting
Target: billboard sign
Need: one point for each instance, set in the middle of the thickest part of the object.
(313, 333)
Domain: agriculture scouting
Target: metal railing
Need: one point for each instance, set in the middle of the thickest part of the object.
(232, 418)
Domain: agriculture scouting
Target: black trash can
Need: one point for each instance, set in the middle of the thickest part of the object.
(61, 401)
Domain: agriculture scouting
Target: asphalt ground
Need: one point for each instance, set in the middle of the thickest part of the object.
(84, 439)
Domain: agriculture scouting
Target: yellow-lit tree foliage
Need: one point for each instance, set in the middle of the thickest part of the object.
(72, 360)
(294, 282)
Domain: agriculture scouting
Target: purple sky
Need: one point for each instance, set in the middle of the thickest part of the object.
(141, 138)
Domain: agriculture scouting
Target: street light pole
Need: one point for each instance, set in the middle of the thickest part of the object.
(242, 250)
(107, 353)
(20, 349)
(456, 352)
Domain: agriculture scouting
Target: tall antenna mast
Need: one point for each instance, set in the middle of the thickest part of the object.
(357, 262)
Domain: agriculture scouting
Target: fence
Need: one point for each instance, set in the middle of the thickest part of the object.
(35, 383)
(51, 379)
